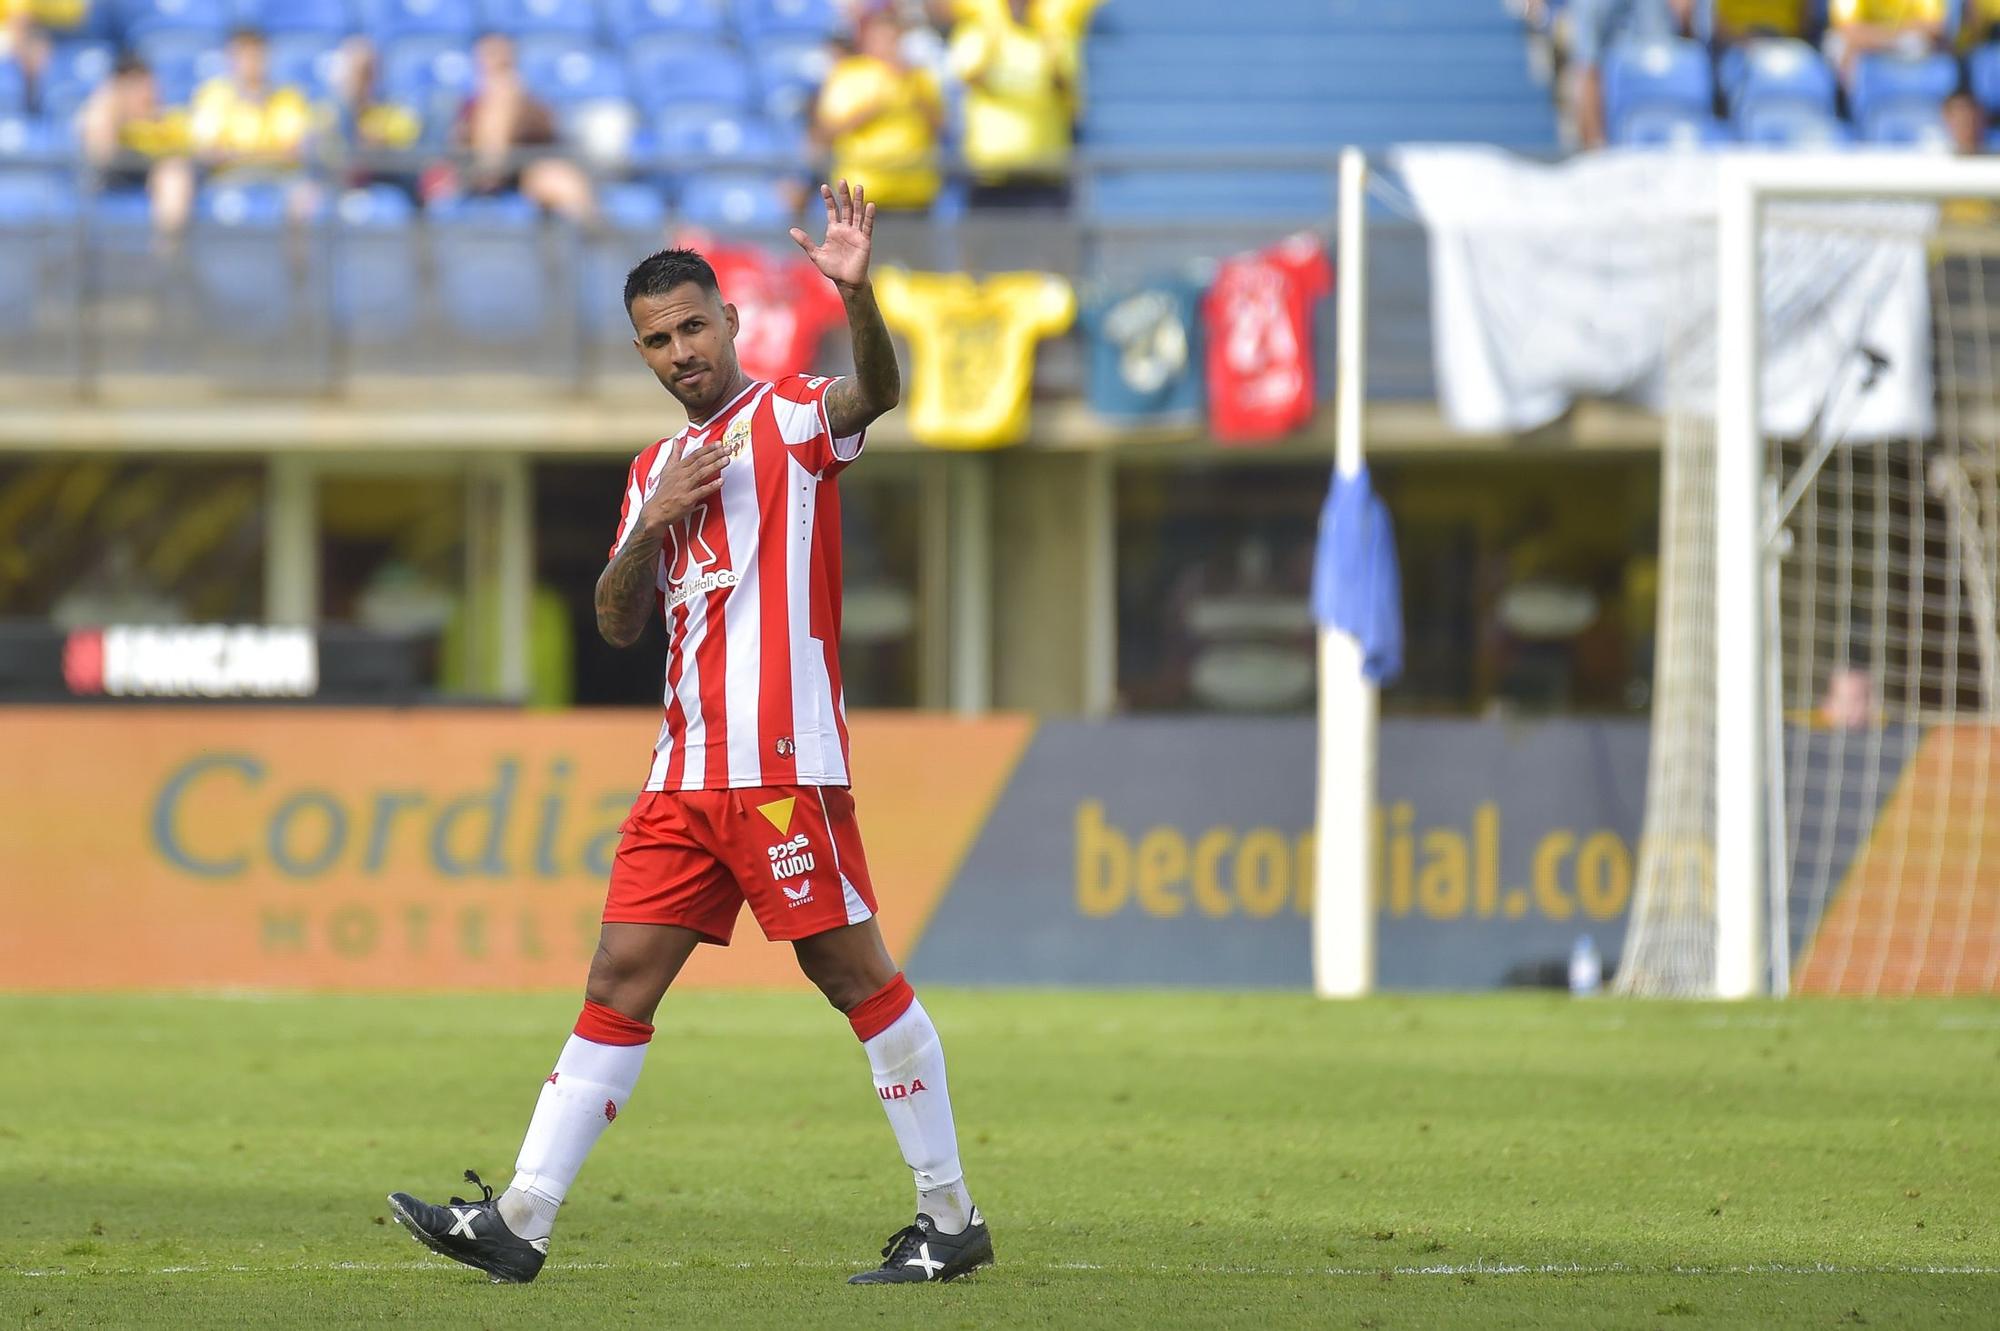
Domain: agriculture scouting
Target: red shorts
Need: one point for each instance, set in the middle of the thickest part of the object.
(693, 857)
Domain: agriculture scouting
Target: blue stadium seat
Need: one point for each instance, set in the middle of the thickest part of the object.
(630, 206)
(1665, 126)
(33, 196)
(305, 59)
(789, 74)
(119, 209)
(521, 17)
(13, 89)
(635, 218)
(627, 19)
(1908, 124)
(1985, 64)
(30, 201)
(669, 72)
(74, 69)
(562, 69)
(1674, 74)
(375, 208)
(258, 205)
(181, 59)
(1777, 72)
(423, 64)
(1882, 81)
(602, 131)
(761, 20)
(428, 71)
(404, 18)
(1792, 125)
(734, 198)
(376, 286)
(1210, 195)
(145, 17)
(492, 281)
(241, 260)
(332, 18)
(24, 136)
(695, 134)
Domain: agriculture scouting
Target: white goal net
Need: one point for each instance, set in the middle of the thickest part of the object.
(1827, 671)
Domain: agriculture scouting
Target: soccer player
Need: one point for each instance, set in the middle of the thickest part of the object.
(731, 531)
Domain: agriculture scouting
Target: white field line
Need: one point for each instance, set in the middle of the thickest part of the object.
(1197, 1269)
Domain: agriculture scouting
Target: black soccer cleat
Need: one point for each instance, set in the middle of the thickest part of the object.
(473, 1233)
(917, 1253)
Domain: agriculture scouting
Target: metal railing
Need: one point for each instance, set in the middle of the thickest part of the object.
(325, 306)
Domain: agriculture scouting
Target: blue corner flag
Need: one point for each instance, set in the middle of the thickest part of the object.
(1357, 587)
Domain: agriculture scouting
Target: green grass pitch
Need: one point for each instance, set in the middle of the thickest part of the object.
(1147, 1160)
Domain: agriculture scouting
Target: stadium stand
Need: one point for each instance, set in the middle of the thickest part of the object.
(1239, 82)
(1199, 125)
(1784, 91)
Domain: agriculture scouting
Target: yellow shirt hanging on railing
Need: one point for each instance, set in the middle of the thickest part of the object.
(972, 349)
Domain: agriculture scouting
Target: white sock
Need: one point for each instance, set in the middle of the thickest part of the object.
(587, 1090)
(908, 1064)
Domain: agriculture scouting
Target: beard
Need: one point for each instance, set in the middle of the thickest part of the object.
(703, 393)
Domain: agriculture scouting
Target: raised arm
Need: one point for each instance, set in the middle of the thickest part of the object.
(626, 588)
(876, 385)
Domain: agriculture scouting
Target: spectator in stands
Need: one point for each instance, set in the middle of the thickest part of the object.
(926, 28)
(1018, 107)
(25, 26)
(1856, 28)
(242, 127)
(239, 120)
(1595, 28)
(1738, 21)
(1967, 120)
(131, 143)
(880, 118)
(366, 124)
(501, 117)
(1849, 700)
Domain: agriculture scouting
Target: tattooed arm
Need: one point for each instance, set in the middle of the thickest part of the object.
(876, 385)
(626, 588)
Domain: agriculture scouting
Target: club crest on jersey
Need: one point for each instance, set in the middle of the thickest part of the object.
(737, 437)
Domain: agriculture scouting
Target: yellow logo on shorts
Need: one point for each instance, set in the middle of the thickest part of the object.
(779, 812)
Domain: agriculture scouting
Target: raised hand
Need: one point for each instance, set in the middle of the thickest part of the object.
(850, 236)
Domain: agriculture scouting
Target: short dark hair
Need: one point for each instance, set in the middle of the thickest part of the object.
(657, 274)
(128, 64)
(245, 32)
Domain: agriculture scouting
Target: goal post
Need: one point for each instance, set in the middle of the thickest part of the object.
(1848, 586)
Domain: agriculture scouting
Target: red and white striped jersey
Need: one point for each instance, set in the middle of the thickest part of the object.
(749, 586)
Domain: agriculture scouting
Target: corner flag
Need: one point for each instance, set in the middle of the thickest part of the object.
(1357, 587)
